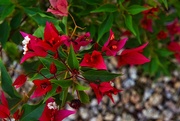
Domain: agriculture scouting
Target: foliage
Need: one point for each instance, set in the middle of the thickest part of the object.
(67, 42)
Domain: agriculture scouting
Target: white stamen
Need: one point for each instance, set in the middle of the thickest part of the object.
(112, 83)
(52, 105)
(25, 42)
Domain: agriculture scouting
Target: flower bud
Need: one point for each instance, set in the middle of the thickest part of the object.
(76, 103)
(53, 68)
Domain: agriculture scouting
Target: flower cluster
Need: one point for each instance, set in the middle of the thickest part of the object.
(70, 64)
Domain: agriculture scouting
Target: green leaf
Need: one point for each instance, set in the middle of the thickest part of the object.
(164, 52)
(50, 93)
(64, 94)
(154, 65)
(40, 18)
(5, 31)
(105, 8)
(39, 32)
(105, 26)
(165, 3)
(47, 62)
(6, 82)
(62, 83)
(6, 9)
(16, 20)
(72, 59)
(93, 2)
(84, 98)
(44, 72)
(81, 87)
(12, 50)
(135, 9)
(129, 24)
(96, 75)
(136, 28)
(32, 112)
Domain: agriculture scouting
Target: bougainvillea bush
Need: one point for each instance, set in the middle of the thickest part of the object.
(63, 46)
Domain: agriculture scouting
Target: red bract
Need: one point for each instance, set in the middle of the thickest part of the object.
(79, 42)
(102, 89)
(42, 87)
(162, 35)
(173, 28)
(132, 56)
(58, 7)
(20, 80)
(151, 12)
(4, 108)
(95, 60)
(52, 39)
(175, 47)
(146, 24)
(111, 47)
(53, 68)
(32, 47)
(52, 113)
(17, 115)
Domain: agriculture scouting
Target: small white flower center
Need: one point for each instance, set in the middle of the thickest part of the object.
(52, 105)
(112, 83)
(25, 42)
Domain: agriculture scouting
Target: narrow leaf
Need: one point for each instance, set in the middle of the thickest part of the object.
(5, 29)
(135, 9)
(32, 112)
(129, 24)
(6, 82)
(72, 59)
(81, 87)
(105, 8)
(63, 83)
(84, 98)
(105, 26)
(94, 75)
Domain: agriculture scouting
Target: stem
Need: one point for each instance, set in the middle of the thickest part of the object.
(25, 98)
(76, 26)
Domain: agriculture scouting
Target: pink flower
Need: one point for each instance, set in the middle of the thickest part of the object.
(42, 87)
(58, 7)
(175, 47)
(173, 28)
(83, 40)
(162, 35)
(52, 113)
(146, 24)
(4, 108)
(95, 60)
(52, 39)
(111, 47)
(132, 56)
(20, 80)
(32, 47)
(102, 89)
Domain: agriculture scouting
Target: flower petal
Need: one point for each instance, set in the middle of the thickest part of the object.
(61, 114)
(20, 80)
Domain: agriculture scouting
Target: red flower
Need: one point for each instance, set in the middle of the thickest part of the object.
(80, 41)
(95, 60)
(111, 47)
(132, 56)
(4, 108)
(17, 115)
(53, 68)
(42, 87)
(146, 24)
(52, 113)
(175, 47)
(58, 7)
(52, 39)
(151, 12)
(162, 35)
(32, 47)
(173, 28)
(20, 80)
(102, 89)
